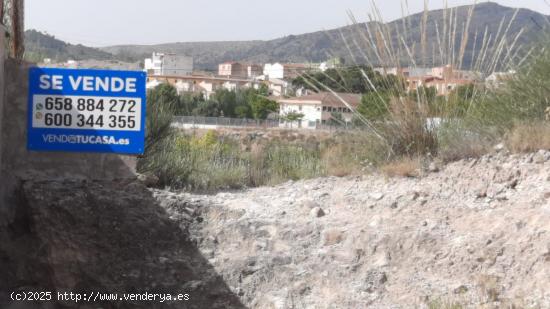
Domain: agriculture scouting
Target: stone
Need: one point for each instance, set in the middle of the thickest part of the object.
(332, 237)
(376, 221)
(539, 157)
(433, 168)
(481, 192)
(499, 147)
(148, 180)
(374, 280)
(317, 212)
(376, 196)
(461, 290)
(309, 204)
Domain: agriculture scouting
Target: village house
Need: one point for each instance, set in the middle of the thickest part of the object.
(207, 85)
(287, 70)
(498, 79)
(239, 69)
(318, 108)
(278, 87)
(444, 79)
(168, 64)
(233, 69)
(254, 70)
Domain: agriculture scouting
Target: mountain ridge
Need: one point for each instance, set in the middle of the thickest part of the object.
(321, 45)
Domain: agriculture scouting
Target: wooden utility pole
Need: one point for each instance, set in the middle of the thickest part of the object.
(1, 12)
(18, 29)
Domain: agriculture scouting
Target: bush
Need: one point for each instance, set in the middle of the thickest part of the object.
(404, 167)
(408, 131)
(523, 98)
(529, 137)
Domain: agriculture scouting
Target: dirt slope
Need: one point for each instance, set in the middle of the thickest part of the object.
(477, 232)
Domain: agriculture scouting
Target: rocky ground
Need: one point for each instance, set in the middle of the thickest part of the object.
(476, 232)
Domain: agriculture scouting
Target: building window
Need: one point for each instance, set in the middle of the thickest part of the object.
(324, 108)
(300, 108)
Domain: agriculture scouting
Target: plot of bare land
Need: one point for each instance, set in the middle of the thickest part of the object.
(476, 233)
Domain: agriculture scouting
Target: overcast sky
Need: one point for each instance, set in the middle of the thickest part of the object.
(109, 22)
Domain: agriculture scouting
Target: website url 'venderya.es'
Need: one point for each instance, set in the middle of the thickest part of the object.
(84, 139)
(98, 297)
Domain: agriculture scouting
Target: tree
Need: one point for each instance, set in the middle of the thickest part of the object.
(350, 79)
(336, 119)
(459, 100)
(188, 102)
(227, 101)
(263, 90)
(161, 106)
(293, 117)
(374, 105)
(243, 111)
(423, 94)
(262, 106)
(208, 109)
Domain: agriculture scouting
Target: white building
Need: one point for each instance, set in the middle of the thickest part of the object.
(498, 79)
(318, 109)
(288, 70)
(73, 64)
(278, 87)
(275, 70)
(168, 64)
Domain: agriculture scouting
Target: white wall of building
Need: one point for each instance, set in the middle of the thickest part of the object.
(208, 88)
(275, 70)
(231, 86)
(184, 86)
(312, 114)
(166, 64)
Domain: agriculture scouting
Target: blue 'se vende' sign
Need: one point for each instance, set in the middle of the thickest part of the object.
(86, 110)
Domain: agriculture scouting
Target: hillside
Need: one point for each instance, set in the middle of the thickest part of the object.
(39, 45)
(348, 42)
(319, 46)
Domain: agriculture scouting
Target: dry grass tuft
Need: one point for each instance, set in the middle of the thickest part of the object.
(529, 137)
(405, 167)
(408, 131)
